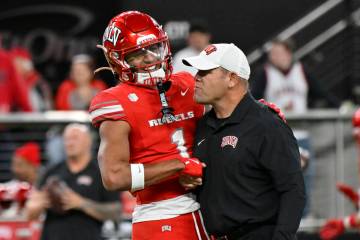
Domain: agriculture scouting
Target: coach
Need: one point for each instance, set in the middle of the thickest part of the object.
(253, 186)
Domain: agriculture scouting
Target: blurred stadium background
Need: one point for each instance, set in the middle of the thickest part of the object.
(327, 35)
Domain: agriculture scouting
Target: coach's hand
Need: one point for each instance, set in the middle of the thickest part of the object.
(189, 182)
(193, 167)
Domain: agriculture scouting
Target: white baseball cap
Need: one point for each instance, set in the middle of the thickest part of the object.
(225, 55)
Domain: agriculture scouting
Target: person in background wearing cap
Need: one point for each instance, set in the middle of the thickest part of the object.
(71, 193)
(26, 162)
(39, 90)
(25, 165)
(76, 92)
(252, 187)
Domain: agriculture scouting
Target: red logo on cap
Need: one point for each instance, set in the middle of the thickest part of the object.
(209, 49)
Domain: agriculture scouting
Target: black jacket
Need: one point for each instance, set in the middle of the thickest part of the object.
(253, 171)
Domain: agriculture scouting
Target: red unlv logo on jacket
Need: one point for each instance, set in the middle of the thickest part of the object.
(229, 140)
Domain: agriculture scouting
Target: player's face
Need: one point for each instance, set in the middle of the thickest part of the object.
(211, 85)
(144, 57)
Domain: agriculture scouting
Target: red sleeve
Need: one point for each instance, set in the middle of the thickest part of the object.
(62, 96)
(106, 107)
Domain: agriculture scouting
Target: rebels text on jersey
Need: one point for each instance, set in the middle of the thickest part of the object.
(150, 139)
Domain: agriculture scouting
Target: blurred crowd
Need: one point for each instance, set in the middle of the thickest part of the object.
(24, 88)
(46, 198)
(281, 80)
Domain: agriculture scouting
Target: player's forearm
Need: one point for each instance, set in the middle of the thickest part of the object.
(116, 177)
(156, 172)
(119, 177)
(102, 211)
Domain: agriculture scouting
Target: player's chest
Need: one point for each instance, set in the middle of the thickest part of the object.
(146, 111)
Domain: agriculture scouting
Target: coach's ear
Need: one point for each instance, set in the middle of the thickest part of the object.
(234, 80)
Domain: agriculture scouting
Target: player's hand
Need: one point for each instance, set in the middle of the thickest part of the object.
(189, 182)
(274, 108)
(332, 229)
(349, 193)
(193, 167)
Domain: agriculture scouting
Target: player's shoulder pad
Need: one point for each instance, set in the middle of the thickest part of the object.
(183, 79)
(105, 106)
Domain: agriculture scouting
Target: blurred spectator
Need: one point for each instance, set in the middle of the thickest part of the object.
(25, 162)
(199, 37)
(71, 193)
(13, 194)
(76, 93)
(356, 131)
(13, 95)
(334, 227)
(37, 87)
(284, 81)
(54, 145)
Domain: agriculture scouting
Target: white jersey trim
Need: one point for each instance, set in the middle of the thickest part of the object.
(105, 110)
(165, 209)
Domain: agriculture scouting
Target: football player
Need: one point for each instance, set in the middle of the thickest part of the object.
(146, 125)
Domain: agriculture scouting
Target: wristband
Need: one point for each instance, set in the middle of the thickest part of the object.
(137, 177)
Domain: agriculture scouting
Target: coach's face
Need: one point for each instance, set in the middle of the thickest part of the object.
(211, 85)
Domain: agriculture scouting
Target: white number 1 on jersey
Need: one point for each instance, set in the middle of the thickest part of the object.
(178, 138)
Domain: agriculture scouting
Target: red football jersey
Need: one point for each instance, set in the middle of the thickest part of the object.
(150, 139)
